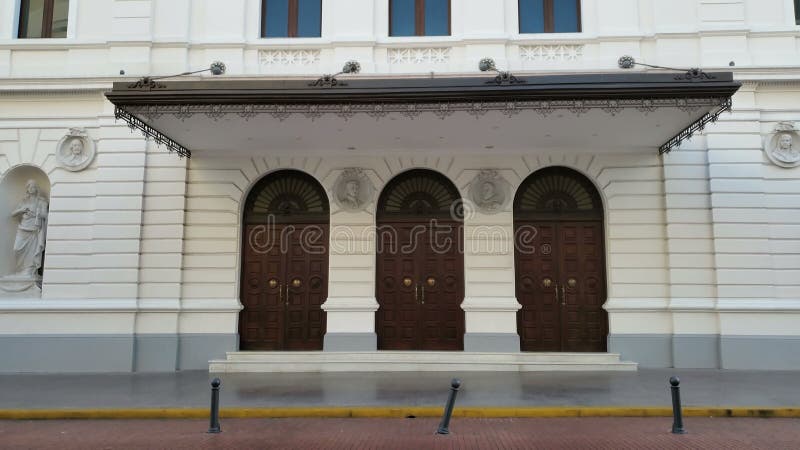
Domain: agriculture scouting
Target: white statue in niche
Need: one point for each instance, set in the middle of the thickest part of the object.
(75, 151)
(783, 149)
(29, 242)
(30, 239)
(353, 190)
(489, 191)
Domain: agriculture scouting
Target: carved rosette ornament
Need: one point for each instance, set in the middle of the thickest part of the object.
(783, 145)
(353, 190)
(75, 151)
(489, 192)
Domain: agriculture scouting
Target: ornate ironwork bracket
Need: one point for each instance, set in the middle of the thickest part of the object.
(695, 73)
(488, 65)
(149, 83)
(696, 127)
(146, 83)
(134, 123)
(331, 81)
(505, 77)
(327, 81)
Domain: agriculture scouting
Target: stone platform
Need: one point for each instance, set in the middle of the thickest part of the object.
(400, 361)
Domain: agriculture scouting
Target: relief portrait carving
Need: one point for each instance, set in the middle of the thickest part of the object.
(353, 190)
(783, 146)
(75, 151)
(489, 191)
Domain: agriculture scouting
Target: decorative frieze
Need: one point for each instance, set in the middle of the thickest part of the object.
(293, 57)
(412, 110)
(137, 116)
(551, 52)
(428, 55)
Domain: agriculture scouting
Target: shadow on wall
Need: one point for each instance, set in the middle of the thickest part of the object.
(12, 192)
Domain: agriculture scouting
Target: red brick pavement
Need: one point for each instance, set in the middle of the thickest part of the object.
(596, 433)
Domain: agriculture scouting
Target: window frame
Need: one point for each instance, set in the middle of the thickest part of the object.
(292, 18)
(549, 18)
(419, 20)
(47, 19)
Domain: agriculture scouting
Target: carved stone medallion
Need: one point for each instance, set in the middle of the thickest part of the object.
(489, 191)
(783, 146)
(75, 151)
(353, 190)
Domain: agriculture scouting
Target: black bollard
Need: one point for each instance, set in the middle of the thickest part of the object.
(677, 414)
(214, 427)
(444, 426)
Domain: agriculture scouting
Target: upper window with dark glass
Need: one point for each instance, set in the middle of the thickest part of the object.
(419, 17)
(291, 18)
(549, 16)
(797, 12)
(43, 19)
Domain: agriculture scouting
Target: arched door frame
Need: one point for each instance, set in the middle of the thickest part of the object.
(242, 205)
(291, 292)
(598, 216)
(449, 267)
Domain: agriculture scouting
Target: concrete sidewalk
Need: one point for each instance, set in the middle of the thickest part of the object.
(645, 388)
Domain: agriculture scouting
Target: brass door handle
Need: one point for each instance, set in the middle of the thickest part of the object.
(280, 293)
(563, 297)
(287, 295)
(416, 292)
(557, 299)
(423, 294)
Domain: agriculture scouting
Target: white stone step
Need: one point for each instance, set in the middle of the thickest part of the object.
(397, 361)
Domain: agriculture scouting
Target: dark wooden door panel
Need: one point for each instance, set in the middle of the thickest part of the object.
(583, 277)
(537, 279)
(415, 314)
(397, 289)
(284, 287)
(564, 314)
(442, 291)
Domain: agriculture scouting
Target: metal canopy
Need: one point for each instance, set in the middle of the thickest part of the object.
(169, 111)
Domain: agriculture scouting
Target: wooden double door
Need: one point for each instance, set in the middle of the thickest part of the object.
(560, 271)
(420, 286)
(284, 283)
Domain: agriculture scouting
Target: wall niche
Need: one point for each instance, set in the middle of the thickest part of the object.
(23, 220)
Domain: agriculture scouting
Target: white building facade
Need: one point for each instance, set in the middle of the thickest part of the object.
(130, 258)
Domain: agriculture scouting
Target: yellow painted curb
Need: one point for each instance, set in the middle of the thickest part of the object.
(395, 412)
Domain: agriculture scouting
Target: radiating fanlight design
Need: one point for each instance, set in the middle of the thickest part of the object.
(287, 195)
(420, 193)
(557, 190)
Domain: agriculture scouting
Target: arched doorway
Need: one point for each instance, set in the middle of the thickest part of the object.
(560, 263)
(420, 264)
(284, 264)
